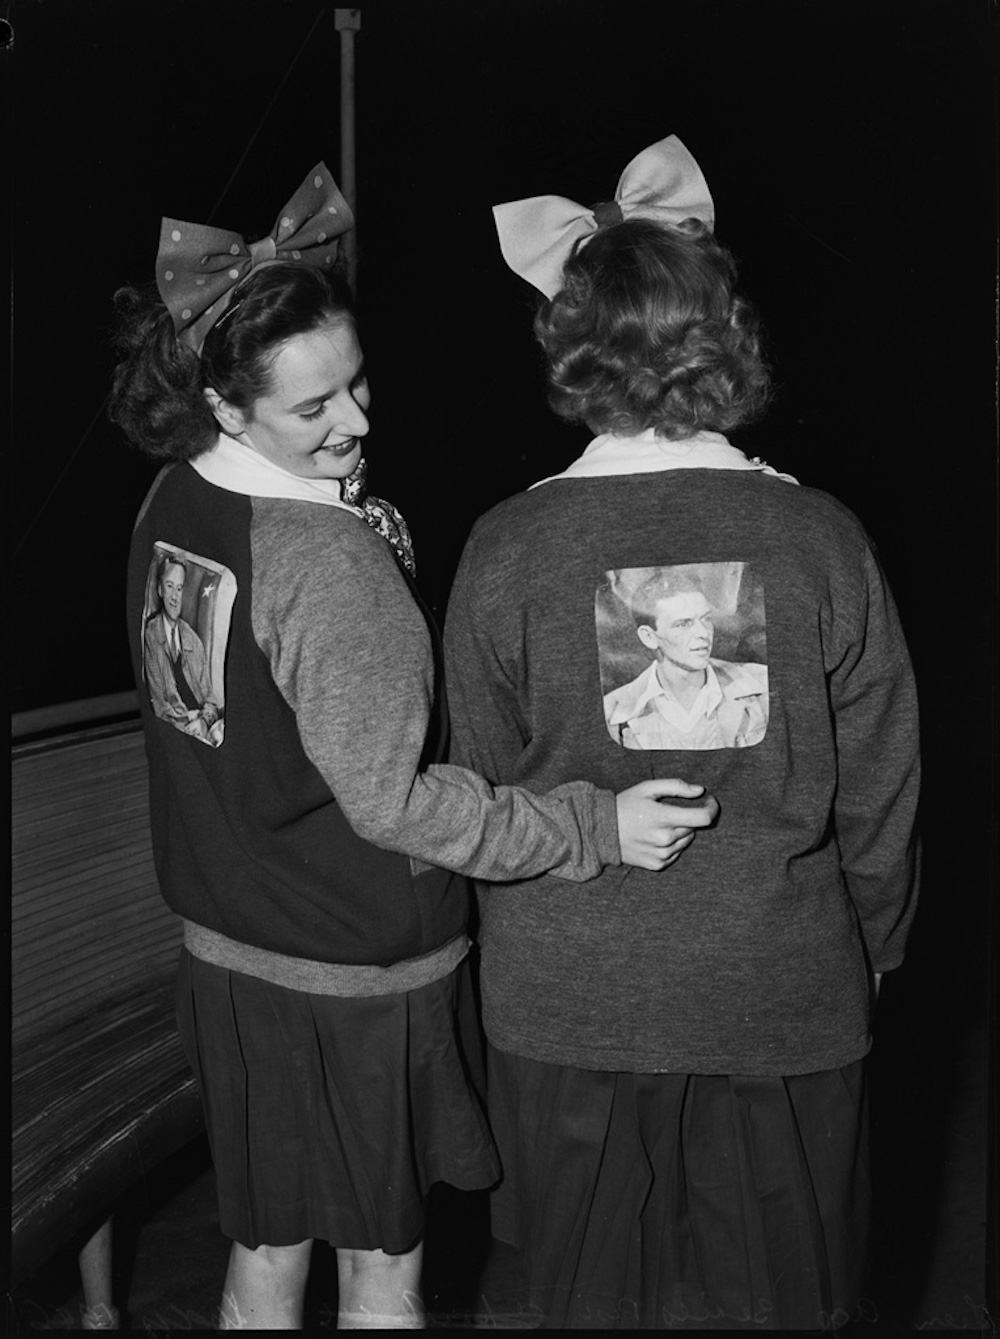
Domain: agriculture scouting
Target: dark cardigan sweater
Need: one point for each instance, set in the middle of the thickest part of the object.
(296, 834)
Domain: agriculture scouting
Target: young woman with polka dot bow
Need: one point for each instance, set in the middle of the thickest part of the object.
(315, 846)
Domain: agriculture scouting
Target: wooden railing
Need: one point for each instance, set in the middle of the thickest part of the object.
(73, 715)
(101, 1089)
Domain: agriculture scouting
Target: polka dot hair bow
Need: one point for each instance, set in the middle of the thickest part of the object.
(198, 268)
(537, 236)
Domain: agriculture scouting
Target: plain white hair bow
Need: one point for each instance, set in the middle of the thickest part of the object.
(537, 235)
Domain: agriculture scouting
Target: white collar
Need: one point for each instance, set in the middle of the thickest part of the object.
(709, 695)
(240, 469)
(647, 453)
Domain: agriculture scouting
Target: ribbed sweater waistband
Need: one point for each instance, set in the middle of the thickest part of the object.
(323, 978)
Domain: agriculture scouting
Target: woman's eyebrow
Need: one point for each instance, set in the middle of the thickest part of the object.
(318, 399)
(313, 399)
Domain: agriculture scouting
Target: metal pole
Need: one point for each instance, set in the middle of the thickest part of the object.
(348, 22)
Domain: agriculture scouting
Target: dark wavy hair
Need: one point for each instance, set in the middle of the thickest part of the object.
(648, 332)
(157, 393)
(662, 585)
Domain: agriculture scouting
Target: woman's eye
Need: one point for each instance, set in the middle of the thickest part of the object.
(316, 413)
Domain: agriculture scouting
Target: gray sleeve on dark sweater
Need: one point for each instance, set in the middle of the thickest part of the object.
(874, 701)
(351, 655)
(483, 699)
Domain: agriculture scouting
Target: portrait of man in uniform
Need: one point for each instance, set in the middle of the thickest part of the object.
(183, 691)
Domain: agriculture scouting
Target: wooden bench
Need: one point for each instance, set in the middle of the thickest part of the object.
(101, 1089)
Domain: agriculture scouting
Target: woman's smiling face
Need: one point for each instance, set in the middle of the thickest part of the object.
(313, 419)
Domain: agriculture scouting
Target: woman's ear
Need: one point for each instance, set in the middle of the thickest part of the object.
(230, 419)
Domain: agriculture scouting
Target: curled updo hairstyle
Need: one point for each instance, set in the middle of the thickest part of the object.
(157, 394)
(647, 332)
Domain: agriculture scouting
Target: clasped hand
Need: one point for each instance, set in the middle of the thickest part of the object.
(653, 832)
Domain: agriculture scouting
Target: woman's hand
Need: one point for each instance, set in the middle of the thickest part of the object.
(653, 832)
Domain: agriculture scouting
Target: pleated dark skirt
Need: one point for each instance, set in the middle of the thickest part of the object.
(682, 1201)
(330, 1118)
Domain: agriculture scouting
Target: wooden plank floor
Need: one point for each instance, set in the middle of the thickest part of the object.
(927, 1266)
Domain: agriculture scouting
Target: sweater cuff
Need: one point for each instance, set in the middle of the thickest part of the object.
(606, 828)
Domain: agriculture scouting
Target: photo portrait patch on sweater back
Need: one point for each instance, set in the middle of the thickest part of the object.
(683, 656)
(189, 601)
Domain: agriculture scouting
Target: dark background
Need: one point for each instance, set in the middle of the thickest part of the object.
(850, 148)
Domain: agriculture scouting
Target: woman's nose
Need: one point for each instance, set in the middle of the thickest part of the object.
(350, 418)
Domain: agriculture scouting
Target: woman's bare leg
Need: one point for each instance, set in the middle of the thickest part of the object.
(265, 1288)
(99, 1310)
(379, 1291)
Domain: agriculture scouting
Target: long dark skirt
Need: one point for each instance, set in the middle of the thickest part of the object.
(331, 1118)
(682, 1201)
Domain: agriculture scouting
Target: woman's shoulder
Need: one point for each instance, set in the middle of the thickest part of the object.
(817, 508)
(302, 524)
(303, 542)
(525, 516)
